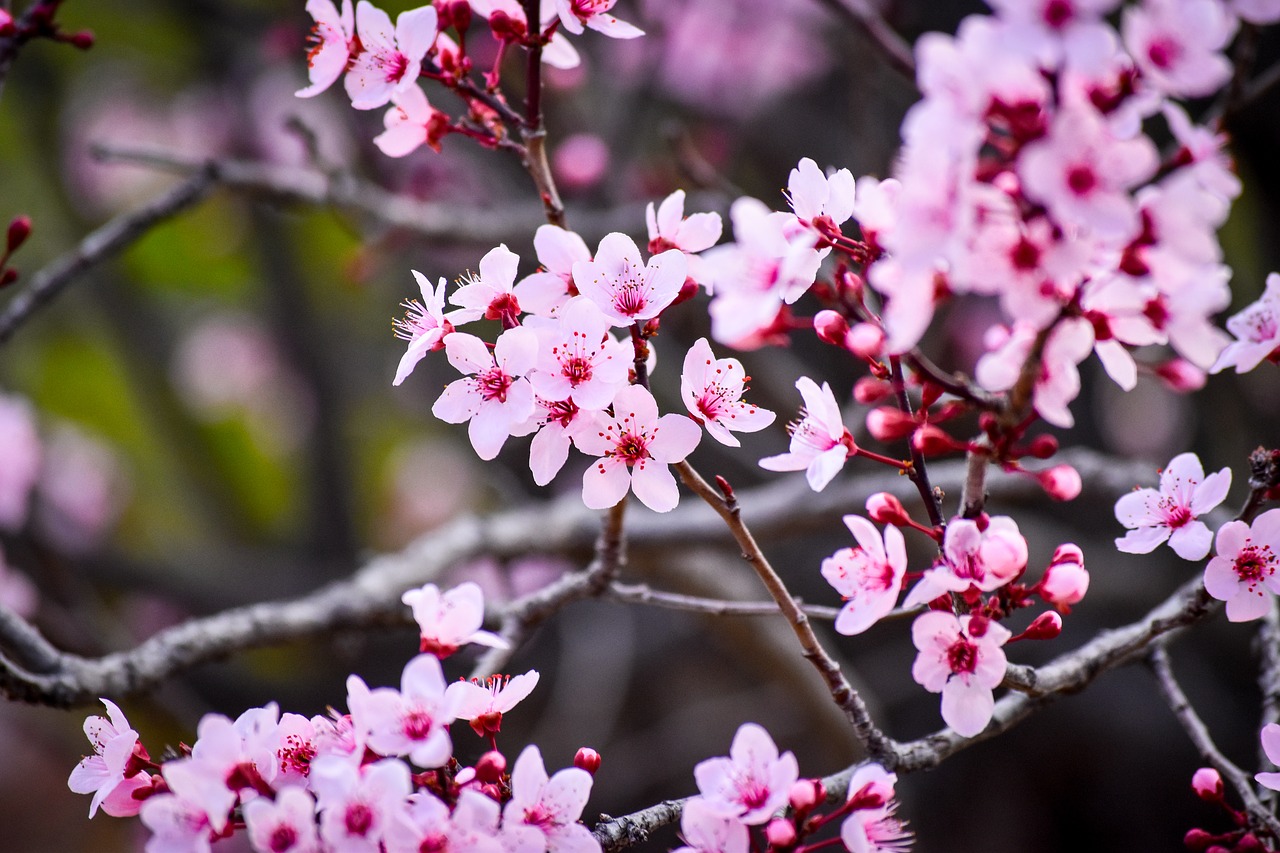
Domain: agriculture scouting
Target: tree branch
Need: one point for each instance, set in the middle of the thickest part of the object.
(863, 15)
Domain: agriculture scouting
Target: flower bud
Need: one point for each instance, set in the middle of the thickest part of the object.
(1061, 482)
(865, 340)
(1042, 446)
(587, 759)
(8, 277)
(1065, 581)
(1249, 843)
(1197, 840)
(1046, 626)
(805, 794)
(868, 390)
(491, 766)
(82, 40)
(7, 27)
(780, 833)
(831, 327)
(19, 231)
(1207, 783)
(688, 290)
(931, 441)
(1181, 376)
(886, 509)
(887, 423)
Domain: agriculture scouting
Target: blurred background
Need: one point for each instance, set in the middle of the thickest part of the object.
(209, 420)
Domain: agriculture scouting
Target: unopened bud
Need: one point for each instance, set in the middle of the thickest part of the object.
(1207, 783)
(491, 766)
(1042, 446)
(978, 625)
(1061, 482)
(1065, 581)
(931, 441)
(887, 423)
(1181, 376)
(7, 27)
(831, 327)
(492, 791)
(886, 509)
(19, 231)
(868, 390)
(1249, 843)
(1197, 840)
(587, 759)
(507, 28)
(82, 40)
(780, 833)
(1046, 626)
(688, 290)
(8, 277)
(805, 794)
(865, 340)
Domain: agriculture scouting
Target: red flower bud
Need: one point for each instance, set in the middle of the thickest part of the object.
(587, 759)
(780, 833)
(931, 441)
(19, 231)
(491, 766)
(868, 390)
(1207, 783)
(806, 794)
(865, 340)
(831, 327)
(1061, 482)
(1042, 446)
(1046, 626)
(888, 423)
(886, 509)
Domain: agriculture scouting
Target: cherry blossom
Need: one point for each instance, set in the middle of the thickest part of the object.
(450, 620)
(712, 390)
(556, 422)
(558, 249)
(1172, 513)
(358, 804)
(575, 14)
(1257, 331)
(626, 289)
(1065, 581)
(114, 742)
(428, 825)
(983, 554)
(820, 444)
(494, 397)
(578, 359)
(753, 782)
(1270, 737)
(297, 739)
(813, 195)
(872, 828)
(706, 830)
(491, 294)
(960, 657)
(391, 58)
(410, 721)
(551, 805)
(424, 326)
(287, 825)
(483, 704)
(869, 577)
(1178, 44)
(331, 38)
(669, 228)
(177, 825)
(1244, 569)
(411, 123)
(635, 447)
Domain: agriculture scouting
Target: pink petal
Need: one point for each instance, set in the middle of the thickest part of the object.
(1270, 736)
(605, 483)
(467, 353)
(670, 214)
(1144, 540)
(498, 267)
(558, 249)
(655, 485)
(458, 403)
(416, 31)
(1191, 541)
(699, 232)
(1246, 606)
(675, 437)
(548, 452)
(967, 708)
(824, 468)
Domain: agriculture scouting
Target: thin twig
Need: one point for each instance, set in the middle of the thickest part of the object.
(1198, 732)
(919, 473)
(862, 14)
(111, 238)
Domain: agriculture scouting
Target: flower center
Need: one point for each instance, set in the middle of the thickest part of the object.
(1058, 13)
(296, 755)
(632, 448)
(396, 64)
(417, 725)
(282, 838)
(494, 384)
(1255, 564)
(962, 656)
(1163, 52)
(358, 819)
(576, 369)
(1081, 179)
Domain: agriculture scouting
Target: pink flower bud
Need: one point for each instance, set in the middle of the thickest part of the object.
(865, 340)
(1042, 446)
(806, 794)
(688, 290)
(7, 27)
(587, 759)
(780, 833)
(1181, 376)
(1197, 840)
(886, 509)
(1061, 482)
(1046, 626)
(19, 231)
(1207, 784)
(1249, 843)
(868, 390)
(82, 40)
(1065, 581)
(581, 161)
(491, 766)
(831, 327)
(888, 423)
(931, 441)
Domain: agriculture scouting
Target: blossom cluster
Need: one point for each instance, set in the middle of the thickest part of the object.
(347, 781)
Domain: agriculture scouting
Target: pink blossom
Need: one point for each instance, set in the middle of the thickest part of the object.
(1257, 331)
(869, 576)
(542, 293)
(581, 162)
(1178, 44)
(491, 294)
(494, 397)
(452, 620)
(962, 664)
(712, 389)
(1065, 581)
(1207, 783)
(287, 825)
(753, 782)
(1244, 570)
(20, 458)
(623, 287)
(551, 805)
(177, 825)
(820, 444)
(358, 804)
(410, 721)
(428, 825)
(1172, 512)
(1257, 11)
(298, 742)
(424, 326)
(1270, 737)
(331, 38)
(669, 228)
(705, 829)
(575, 14)
(411, 123)
(114, 742)
(483, 704)
(873, 828)
(635, 447)
(982, 554)
(578, 359)
(392, 58)
(813, 194)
